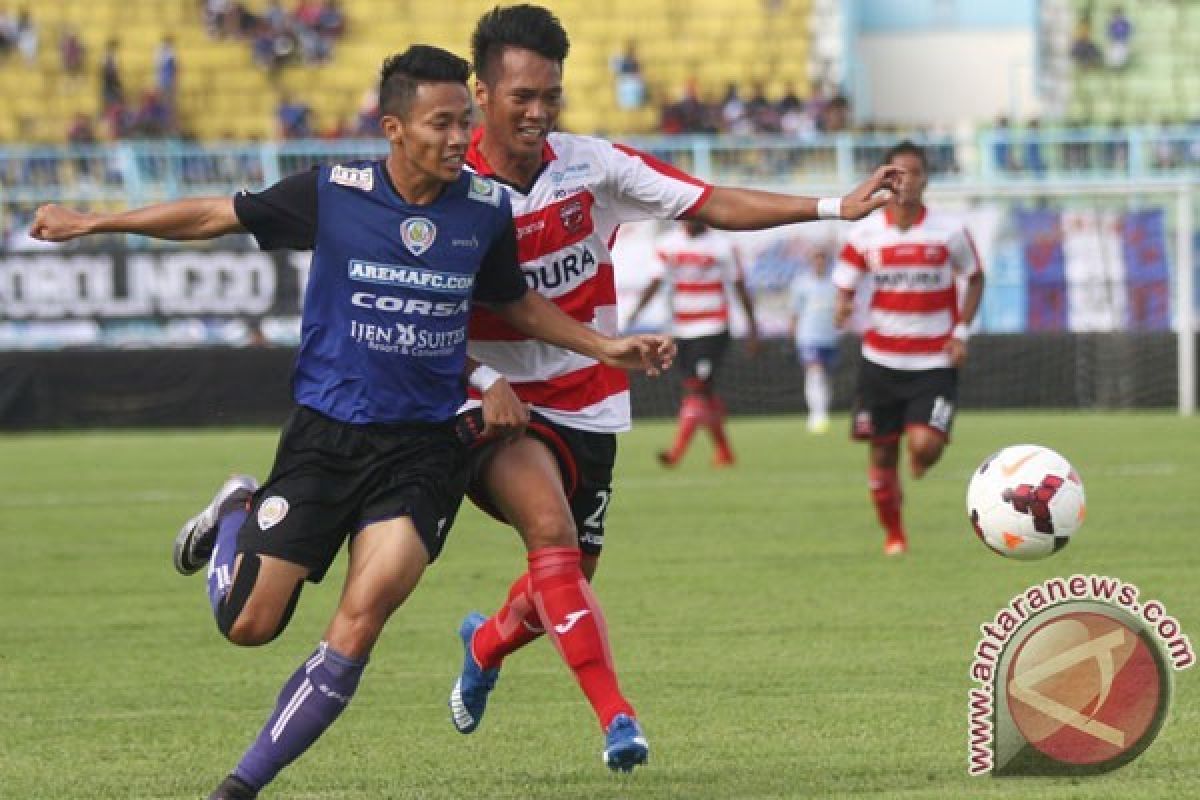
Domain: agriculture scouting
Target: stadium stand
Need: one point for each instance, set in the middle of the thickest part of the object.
(223, 94)
(1158, 80)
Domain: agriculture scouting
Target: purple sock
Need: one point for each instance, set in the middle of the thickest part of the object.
(220, 565)
(310, 701)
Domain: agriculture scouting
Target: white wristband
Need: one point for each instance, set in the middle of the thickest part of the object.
(960, 332)
(829, 208)
(483, 377)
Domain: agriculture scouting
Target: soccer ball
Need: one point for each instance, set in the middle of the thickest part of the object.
(1025, 502)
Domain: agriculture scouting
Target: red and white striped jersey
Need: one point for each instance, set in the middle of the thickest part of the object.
(913, 273)
(697, 270)
(566, 223)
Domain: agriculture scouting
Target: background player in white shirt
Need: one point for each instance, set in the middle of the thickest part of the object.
(569, 195)
(814, 303)
(699, 266)
(916, 337)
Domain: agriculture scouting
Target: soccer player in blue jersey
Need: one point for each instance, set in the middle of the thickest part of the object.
(401, 248)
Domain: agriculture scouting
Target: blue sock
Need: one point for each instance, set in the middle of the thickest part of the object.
(310, 701)
(220, 565)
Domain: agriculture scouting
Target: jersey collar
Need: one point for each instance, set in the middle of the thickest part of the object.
(891, 221)
(477, 162)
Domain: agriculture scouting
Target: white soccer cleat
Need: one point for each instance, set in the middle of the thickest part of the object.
(194, 543)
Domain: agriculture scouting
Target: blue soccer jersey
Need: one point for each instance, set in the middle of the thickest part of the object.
(384, 330)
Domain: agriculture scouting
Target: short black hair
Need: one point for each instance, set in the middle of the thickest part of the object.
(907, 148)
(525, 26)
(421, 63)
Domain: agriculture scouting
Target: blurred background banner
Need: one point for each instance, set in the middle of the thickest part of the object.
(1064, 133)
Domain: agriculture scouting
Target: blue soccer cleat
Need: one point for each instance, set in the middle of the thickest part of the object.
(625, 745)
(468, 698)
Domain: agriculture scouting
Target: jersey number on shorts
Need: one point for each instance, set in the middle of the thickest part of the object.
(596, 518)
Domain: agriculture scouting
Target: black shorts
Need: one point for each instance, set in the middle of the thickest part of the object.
(700, 358)
(890, 400)
(331, 479)
(585, 460)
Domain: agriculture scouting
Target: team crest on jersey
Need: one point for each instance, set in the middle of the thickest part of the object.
(571, 215)
(271, 512)
(354, 178)
(418, 234)
(484, 191)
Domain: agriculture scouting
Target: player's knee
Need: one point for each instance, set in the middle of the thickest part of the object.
(925, 454)
(550, 530)
(252, 630)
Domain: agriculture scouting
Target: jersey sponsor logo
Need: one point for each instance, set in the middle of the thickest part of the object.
(559, 194)
(271, 512)
(903, 279)
(472, 243)
(531, 228)
(407, 339)
(570, 269)
(409, 305)
(354, 178)
(418, 234)
(411, 277)
(560, 175)
(484, 191)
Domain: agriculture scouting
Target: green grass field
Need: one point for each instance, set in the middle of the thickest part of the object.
(771, 649)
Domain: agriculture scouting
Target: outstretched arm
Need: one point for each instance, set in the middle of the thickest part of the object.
(750, 209)
(536, 316)
(193, 218)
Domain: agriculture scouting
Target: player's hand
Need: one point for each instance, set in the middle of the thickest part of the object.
(651, 353)
(753, 344)
(504, 415)
(55, 223)
(957, 350)
(872, 193)
(842, 312)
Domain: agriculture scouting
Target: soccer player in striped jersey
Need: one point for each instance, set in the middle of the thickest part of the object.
(698, 265)
(913, 259)
(401, 249)
(569, 194)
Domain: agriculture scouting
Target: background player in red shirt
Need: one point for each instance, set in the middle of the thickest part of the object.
(916, 337)
(699, 265)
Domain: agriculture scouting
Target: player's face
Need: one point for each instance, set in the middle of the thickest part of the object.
(434, 134)
(910, 186)
(522, 104)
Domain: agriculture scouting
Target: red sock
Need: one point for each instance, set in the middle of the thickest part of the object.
(886, 493)
(575, 623)
(515, 625)
(692, 411)
(715, 420)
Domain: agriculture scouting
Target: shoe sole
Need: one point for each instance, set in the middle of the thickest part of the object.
(626, 760)
(456, 704)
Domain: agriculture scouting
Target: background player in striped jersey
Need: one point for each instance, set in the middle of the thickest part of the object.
(916, 336)
(814, 303)
(569, 195)
(698, 264)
